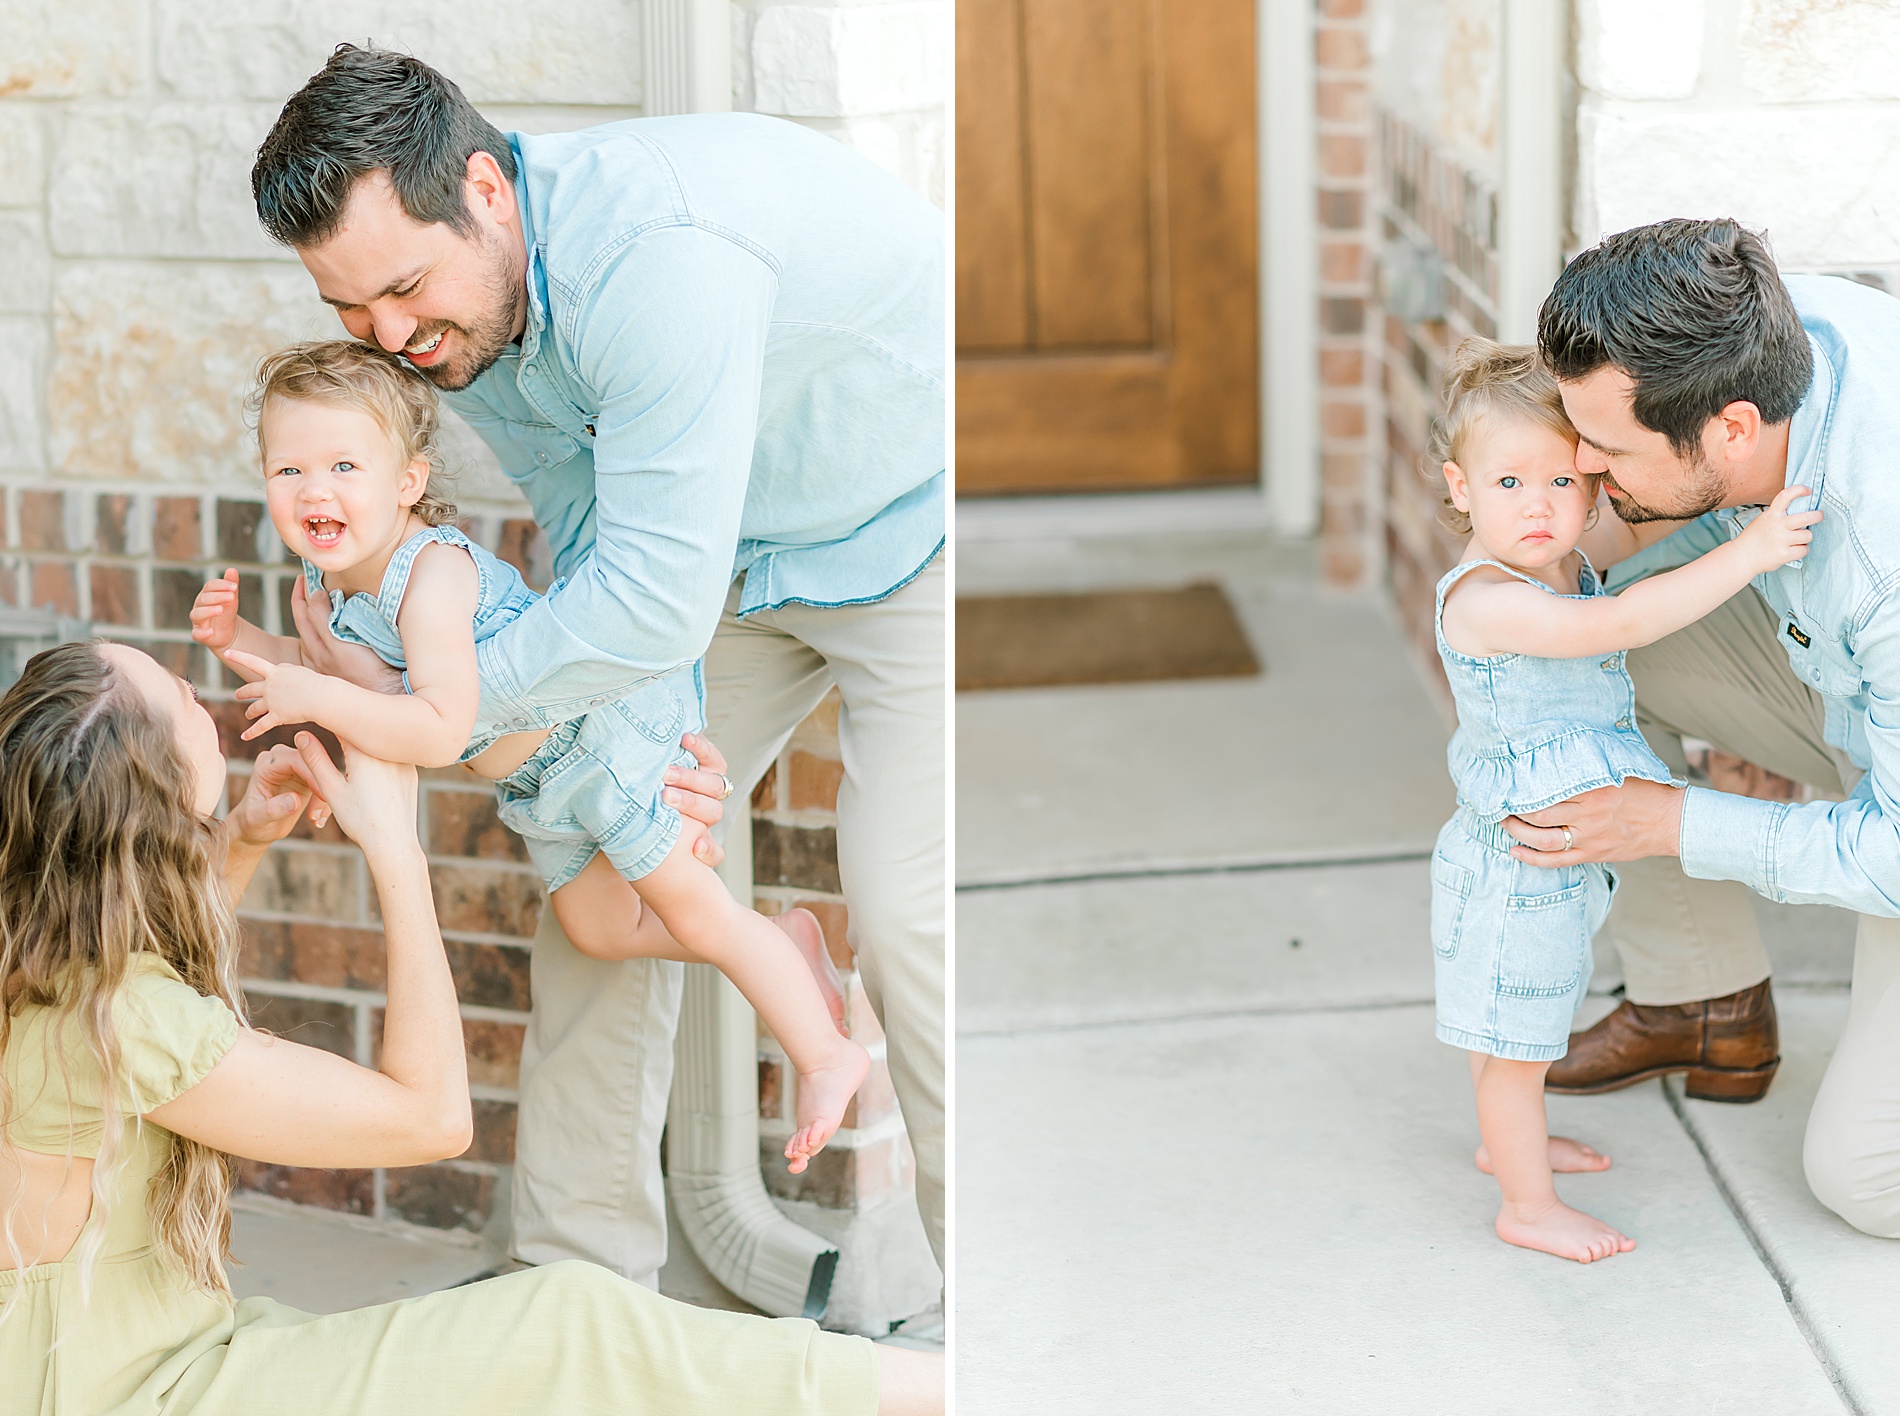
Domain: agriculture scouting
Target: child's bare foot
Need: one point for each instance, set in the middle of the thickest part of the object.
(1560, 1230)
(822, 1094)
(1567, 1157)
(803, 929)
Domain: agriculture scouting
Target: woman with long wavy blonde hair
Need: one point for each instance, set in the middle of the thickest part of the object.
(129, 1079)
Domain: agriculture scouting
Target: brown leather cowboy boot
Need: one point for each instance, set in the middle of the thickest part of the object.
(1728, 1046)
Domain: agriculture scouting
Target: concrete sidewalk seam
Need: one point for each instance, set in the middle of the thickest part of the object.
(1249, 865)
(1265, 1010)
(1796, 1308)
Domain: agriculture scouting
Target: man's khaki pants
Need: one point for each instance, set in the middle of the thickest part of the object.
(598, 1061)
(1727, 681)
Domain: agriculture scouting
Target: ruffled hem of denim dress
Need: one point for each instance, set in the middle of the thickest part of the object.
(1534, 731)
(1582, 761)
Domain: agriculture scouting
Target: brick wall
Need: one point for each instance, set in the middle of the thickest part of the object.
(1349, 494)
(1438, 219)
(140, 294)
(795, 863)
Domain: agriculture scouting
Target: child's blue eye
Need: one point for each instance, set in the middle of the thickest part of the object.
(346, 467)
(1507, 481)
(1562, 481)
(286, 472)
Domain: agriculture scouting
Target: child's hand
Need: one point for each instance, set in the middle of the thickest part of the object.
(279, 693)
(1778, 536)
(214, 615)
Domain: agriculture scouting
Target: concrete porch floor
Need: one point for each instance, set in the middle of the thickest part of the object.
(1209, 1155)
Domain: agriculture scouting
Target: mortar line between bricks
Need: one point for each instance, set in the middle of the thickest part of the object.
(1796, 1309)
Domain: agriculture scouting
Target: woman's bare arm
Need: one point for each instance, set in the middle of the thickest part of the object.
(280, 1102)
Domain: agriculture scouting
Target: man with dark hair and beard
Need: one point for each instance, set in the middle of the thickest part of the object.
(1701, 383)
(709, 350)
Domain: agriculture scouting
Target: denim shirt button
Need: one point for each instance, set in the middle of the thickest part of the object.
(1623, 722)
(542, 458)
(1610, 664)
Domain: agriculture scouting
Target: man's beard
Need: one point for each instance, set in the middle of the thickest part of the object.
(488, 336)
(1702, 491)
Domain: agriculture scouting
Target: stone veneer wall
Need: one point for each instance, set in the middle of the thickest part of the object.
(1781, 113)
(136, 294)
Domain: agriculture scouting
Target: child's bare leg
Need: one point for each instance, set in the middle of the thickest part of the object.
(602, 917)
(1567, 1156)
(1511, 1120)
(803, 929)
(776, 980)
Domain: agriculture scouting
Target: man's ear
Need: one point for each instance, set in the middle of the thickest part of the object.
(485, 189)
(1733, 434)
(1459, 487)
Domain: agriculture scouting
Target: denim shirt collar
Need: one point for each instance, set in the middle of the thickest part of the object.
(1812, 422)
(1808, 433)
(537, 270)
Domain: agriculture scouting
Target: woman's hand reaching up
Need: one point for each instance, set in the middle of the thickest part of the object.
(374, 801)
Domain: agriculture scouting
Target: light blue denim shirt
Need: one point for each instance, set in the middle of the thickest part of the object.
(1839, 611)
(733, 361)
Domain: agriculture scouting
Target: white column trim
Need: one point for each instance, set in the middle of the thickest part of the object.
(686, 56)
(1531, 192)
(1289, 265)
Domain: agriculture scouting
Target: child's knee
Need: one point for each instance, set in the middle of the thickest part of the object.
(594, 931)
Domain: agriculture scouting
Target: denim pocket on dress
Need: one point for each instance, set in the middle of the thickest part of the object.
(654, 711)
(1546, 941)
(1451, 889)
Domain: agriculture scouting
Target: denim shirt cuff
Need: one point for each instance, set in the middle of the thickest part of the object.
(1729, 837)
(501, 701)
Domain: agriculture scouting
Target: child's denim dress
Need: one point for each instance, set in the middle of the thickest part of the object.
(595, 784)
(1512, 941)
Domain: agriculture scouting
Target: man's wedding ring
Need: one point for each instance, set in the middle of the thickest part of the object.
(1570, 841)
(725, 783)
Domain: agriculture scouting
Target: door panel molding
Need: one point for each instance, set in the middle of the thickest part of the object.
(1107, 245)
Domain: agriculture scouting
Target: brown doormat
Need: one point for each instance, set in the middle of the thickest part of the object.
(1105, 636)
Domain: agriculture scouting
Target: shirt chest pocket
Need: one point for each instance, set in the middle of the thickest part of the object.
(538, 446)
(1819, 659)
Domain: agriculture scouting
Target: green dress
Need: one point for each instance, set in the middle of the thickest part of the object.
(566, 1338)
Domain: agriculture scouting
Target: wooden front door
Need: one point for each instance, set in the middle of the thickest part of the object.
(1107, 320)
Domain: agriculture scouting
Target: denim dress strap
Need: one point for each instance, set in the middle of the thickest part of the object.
(1589, 586)
(389, 594)
(371, 619)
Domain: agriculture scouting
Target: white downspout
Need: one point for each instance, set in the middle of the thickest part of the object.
(1289, 264)
(712, 1123)
(712, 1138)
(1531, 192)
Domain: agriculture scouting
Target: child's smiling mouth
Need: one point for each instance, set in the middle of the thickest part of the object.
(323, 531)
